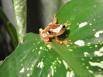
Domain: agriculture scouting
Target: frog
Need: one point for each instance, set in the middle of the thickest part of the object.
(53, 30)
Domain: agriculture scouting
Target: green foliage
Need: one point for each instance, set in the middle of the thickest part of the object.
(86, 20)
(9, 28)
(20, 17)
(33, 58)
(83, 55)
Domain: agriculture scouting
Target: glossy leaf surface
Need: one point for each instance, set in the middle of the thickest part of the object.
(33, 59)
(84, 18)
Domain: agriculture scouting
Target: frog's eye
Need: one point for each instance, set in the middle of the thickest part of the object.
(49, 32)
(63, 26)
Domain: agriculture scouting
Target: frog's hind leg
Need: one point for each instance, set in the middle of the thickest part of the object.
(54, 21)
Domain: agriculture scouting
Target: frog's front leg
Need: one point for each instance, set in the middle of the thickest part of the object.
(58, 40)
(61, 41)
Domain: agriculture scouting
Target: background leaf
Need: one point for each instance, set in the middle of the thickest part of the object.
(20, 17)
(10, 29)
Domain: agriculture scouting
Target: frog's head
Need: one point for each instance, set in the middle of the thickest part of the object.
(59, 30)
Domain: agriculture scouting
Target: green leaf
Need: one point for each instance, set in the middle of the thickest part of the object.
(33, 59)
(20, 17)
(10, 29)
(85, 54)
